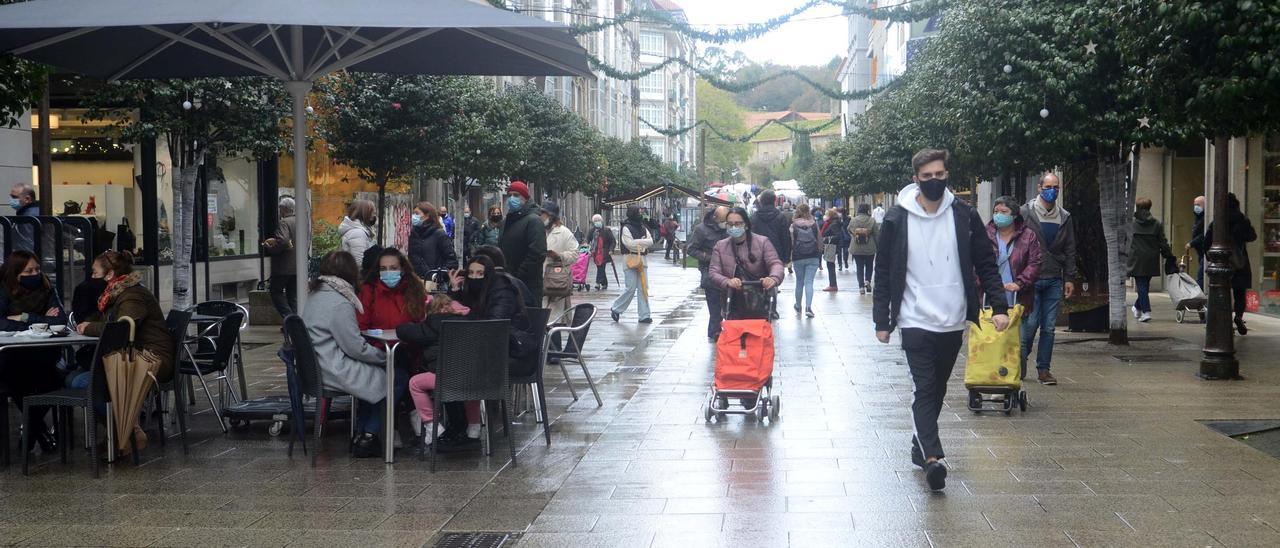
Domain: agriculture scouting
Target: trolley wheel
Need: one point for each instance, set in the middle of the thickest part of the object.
(1182, 314)
(276, 428)
(706, 413)
(975, 401)
(1022, 401)
(762, 409)
(775, 407)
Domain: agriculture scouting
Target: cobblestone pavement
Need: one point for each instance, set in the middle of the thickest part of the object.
(1113, 456)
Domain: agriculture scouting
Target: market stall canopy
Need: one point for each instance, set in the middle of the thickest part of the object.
(294, 41)
(659, 190)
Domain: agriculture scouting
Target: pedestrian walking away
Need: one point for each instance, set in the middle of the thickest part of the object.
(934, 245)
(524, 239)
(1145, 251)
(832, 228)
(805, 256)
(1052, 224)
(636, 241)
(1242, 232)
(701, 245)
(744, 257)
(844, 239)
(863, 233)
(284, 271)
(602, 244)
(669, 228)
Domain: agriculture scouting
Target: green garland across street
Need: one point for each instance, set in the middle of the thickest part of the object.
(672, 132)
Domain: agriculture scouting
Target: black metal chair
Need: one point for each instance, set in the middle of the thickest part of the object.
(575, 333)
(4, 426)
(306, 376)
(177, 322)
(530, 370)
(472, 366)
(222, 309)
(222, 338)
(115, 336)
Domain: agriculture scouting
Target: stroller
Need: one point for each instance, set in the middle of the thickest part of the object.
(1186, 293)
(580, 268)
(744, 357)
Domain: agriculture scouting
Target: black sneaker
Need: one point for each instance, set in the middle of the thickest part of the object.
(935, 473)
(916, 458)
(366, 446)
(614, 315)
(647, 320)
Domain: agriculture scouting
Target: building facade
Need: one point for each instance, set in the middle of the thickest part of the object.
(878, 53)
(667, 97)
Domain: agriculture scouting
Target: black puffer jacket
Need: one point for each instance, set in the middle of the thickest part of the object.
(772, 224)
(431, 249)
(524, 246)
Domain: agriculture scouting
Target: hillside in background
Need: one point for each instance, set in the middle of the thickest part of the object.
(787, 93)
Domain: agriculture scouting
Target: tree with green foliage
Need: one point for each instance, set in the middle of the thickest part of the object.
(199, 118)
(719, 108)
(563, 153)
(21, 85)
(630, 167)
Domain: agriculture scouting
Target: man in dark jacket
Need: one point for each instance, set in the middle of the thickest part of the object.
(471, 228)
(931, 247)
(22, 198)
(1197, 239)
(1055, 282)
(701, 244)
(524, 239)
(284, 270)
(771, 223)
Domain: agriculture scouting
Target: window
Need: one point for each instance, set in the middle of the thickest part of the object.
(652, 113)
(653, 83)
(659, 148)
(652, 43)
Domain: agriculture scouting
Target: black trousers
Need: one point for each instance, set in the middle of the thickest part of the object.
(931, 356)
(715, 309)
(842, 255)
(831, 275)
(284, 294)
(602, 275)
(1239, 300)
(863, 268)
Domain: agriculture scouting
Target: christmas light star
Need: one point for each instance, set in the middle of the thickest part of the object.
(1091, 48)
(1144, 122)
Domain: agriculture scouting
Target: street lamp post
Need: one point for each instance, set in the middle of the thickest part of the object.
(1219, 359)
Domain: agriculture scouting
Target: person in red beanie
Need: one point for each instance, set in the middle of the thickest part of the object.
(524, 239)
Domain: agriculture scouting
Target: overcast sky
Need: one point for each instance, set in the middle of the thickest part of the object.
(800, 42)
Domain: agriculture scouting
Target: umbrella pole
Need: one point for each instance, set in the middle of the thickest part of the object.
(302, 204)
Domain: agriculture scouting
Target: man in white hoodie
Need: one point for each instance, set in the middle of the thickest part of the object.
(931, 248)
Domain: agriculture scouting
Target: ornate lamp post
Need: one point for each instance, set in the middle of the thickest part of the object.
(1219, 359)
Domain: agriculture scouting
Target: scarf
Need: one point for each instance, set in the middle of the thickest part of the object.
(1045, 215)
(116, 286)
(343, 288)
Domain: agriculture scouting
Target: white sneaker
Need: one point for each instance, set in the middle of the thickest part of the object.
(1136, 314)
(415, 421)
(1146, 317)
(473, 431)
(396, 443)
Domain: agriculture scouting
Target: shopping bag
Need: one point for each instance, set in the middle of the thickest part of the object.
(1184, 292)
(994, 356)
(744, 354)
(1251, 301)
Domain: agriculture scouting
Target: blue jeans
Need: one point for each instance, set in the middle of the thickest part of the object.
(632, 290)
(370, 416)
(1142, 284)
(80, 382)
(806, 270)
(1044, 317)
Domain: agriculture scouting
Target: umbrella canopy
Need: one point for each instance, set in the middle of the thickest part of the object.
(294, 41)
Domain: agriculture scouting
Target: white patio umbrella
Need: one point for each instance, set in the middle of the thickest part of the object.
(294, 41)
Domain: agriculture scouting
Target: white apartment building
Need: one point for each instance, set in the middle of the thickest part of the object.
(878, 52)
(667, 97)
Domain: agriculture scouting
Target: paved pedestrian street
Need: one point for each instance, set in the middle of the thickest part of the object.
(1112, 456)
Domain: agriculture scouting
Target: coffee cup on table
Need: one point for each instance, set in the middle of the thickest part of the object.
(40, 328)
(58, 329)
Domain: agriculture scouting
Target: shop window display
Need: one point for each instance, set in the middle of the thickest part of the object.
(1270, 229)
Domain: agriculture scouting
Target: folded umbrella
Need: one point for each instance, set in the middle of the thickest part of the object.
(130, 376)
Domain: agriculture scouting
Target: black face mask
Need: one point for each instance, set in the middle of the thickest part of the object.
(97, 285)
(474, 286)
(495, 218)
(31, 282)
(933, 189)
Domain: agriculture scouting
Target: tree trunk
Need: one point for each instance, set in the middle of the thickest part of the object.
(1116, 205)
(459, 228)
(382, 209)
(182, 225)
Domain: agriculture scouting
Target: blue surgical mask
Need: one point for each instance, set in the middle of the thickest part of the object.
(14, 202)
(599, 224)
(514, 202)
(390, 278)
(416, 219)
(737, 231)
(1198, 209)
(1049, 195)
(1002, 219)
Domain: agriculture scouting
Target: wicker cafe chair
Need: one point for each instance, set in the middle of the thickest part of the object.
(472, 366)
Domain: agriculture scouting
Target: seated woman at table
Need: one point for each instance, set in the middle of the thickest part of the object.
(393, 295)
(489, 296)
(348, 362)
(26, 298)
(123, 296)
